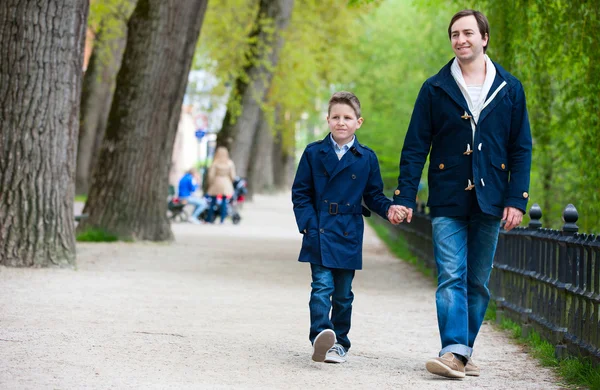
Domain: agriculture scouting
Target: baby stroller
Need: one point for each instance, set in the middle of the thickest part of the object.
(231, 210)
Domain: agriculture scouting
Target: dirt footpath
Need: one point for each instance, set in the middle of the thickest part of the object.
(226, 307)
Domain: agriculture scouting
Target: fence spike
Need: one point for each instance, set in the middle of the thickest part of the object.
(535, 213)
(570, 216)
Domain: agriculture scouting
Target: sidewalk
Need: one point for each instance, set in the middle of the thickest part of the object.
(226, 307)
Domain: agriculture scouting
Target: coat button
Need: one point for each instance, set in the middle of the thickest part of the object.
(345, 233)
(353, 176)
(322, 230)
(441, 166)
(525, 195)
(325, 201)
(325, 173)
(503, 166)
(397, 192)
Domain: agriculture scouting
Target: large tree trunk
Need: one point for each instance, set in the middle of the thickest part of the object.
(260, 175)
(129, 186)
(41, 61)
(262, 56)
(98, 86)
(284, 166)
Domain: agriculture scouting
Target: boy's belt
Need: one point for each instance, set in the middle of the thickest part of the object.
(337, 208)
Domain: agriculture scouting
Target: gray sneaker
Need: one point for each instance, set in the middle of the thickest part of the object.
(323, 342)
(336, 354)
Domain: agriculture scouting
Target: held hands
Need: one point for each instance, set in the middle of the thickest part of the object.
(397, 214)
(513, 217)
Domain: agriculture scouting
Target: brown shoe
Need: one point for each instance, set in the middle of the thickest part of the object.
(471, 369)
(447, 365)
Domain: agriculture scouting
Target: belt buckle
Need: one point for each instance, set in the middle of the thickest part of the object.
(330, 208)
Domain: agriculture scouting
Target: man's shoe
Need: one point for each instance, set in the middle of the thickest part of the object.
(471, 369)
(323, 343)
(336, 354)
(446, 365)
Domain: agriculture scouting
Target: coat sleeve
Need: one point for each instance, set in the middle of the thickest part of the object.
(415, 150)
(303, 196)
(519, 153)
(373, 195)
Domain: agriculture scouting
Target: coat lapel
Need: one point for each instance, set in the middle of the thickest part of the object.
(497, 82)
(446, 82)
(328, 156)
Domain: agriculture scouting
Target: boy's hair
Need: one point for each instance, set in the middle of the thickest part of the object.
(482, 23)
(347, 98)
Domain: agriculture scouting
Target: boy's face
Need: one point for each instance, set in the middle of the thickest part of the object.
(343, 123)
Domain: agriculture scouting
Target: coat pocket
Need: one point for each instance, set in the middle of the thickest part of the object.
(444, 181)
(310, 246)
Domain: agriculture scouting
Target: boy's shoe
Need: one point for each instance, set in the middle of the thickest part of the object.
(471, 368)
(446, 365)
(336, 354)
(323, 342)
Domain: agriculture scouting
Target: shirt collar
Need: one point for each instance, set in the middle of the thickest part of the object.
(337, 148)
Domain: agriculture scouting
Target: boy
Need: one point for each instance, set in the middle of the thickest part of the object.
(334, 176)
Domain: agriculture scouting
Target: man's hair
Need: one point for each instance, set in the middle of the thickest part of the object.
(347, 98)
(482, 23)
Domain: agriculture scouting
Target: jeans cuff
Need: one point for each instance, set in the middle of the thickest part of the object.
(458, 349)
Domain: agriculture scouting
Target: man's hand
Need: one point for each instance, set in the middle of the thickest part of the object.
(513, 217)
(397, 214)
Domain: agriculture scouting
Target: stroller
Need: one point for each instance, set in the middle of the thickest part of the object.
(175, 208)
(239, 190)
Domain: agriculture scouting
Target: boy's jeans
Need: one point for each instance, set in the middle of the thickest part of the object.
(199, 203)
(331, 287)
(464, 250)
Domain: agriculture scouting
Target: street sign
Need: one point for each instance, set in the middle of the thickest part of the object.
(200, 133)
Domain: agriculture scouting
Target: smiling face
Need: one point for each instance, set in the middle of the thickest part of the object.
(343, 122)
(467, 41)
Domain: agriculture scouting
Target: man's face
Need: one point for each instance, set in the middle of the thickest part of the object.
(466, 40)
(343, 123)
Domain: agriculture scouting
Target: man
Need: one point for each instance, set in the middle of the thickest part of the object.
(187, 186)
(472, 119)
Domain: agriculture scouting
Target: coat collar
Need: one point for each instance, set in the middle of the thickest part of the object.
(330, 159)
(446, 82)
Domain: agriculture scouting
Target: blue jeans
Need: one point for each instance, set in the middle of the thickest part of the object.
(222, 209)
(464, 250)
(200, 204)
(331, 291)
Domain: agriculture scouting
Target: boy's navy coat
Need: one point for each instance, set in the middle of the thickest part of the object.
(327, 195)
(500, 159)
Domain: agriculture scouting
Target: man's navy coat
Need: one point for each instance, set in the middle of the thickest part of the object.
(495, 163)
(327, 195)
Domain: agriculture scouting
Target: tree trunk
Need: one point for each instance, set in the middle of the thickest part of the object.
(260, 175)
(129, 187)
(41, 61)
(98, 86)
(283, 164)
(263, 56)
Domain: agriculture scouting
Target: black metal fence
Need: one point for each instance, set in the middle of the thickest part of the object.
(544, 279)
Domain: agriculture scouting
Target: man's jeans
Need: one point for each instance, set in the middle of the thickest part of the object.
(200, 204)
(331, 287)
(464, 250)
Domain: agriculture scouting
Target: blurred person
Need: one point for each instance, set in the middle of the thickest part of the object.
(187, 186)
(221, 175)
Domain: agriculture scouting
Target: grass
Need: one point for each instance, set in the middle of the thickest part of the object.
(96, 235)
(399, 248)
(577, 372)
(81, 198)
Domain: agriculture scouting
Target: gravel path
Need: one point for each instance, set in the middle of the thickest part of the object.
(226, 307)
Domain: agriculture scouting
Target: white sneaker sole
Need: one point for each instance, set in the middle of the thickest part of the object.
(335, 359)
(323, 342)
(438, 368)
